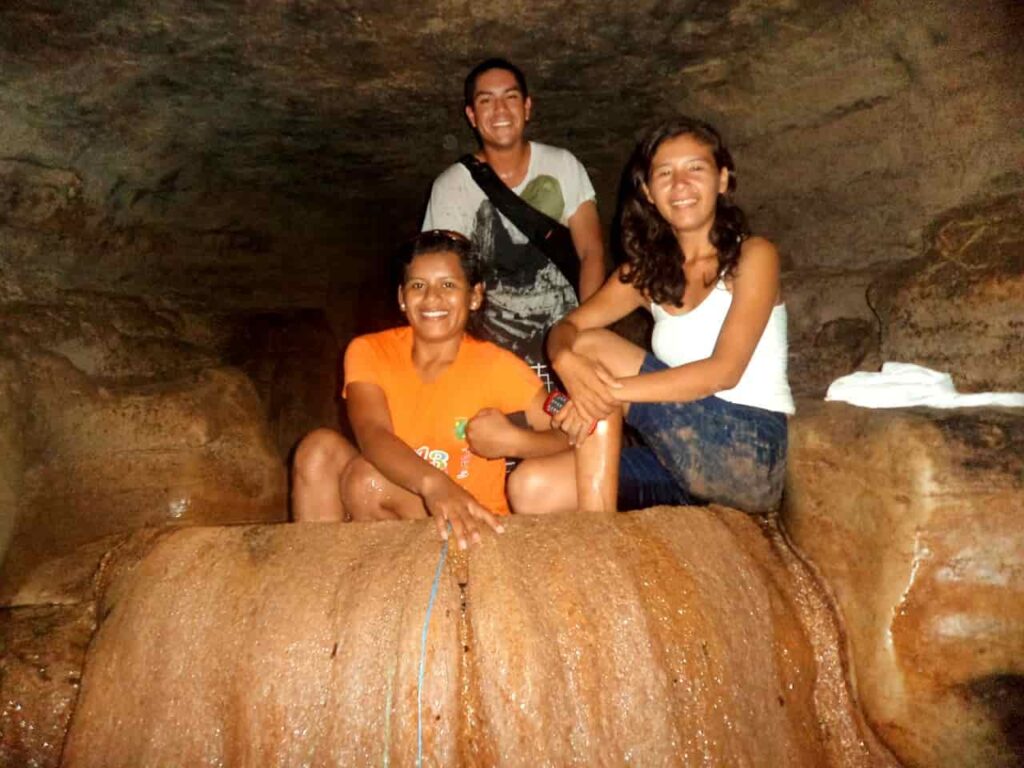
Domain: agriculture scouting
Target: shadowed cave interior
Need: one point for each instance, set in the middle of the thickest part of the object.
(199, 204)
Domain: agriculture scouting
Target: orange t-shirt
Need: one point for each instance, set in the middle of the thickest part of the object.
(431, 417)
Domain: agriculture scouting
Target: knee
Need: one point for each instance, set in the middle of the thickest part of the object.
(363, 493)
(527, 488)
(357, 477)
(592, 343)
(322, 452)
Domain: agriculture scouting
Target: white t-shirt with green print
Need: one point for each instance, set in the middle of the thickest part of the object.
(526, 293)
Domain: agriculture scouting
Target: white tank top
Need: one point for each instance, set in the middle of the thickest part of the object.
(686, 338)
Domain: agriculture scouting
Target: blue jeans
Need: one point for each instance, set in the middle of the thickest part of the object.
(703, 451)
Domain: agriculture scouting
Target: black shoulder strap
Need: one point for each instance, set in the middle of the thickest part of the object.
(552, 237)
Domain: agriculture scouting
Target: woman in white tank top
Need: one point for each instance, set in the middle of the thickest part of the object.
(711, 401)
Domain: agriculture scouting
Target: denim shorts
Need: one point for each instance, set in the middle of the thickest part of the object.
(703, 451)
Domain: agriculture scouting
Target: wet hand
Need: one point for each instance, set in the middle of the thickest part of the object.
(448, 503)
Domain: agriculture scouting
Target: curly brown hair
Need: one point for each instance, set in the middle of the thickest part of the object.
(653, 264)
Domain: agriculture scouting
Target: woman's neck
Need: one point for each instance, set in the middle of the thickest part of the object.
(696, 246)
(432, 358)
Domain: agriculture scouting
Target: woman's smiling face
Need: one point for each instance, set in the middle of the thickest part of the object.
(436, 296)
(684, 183)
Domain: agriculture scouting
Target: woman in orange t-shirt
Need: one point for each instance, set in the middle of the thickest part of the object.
(427, 404)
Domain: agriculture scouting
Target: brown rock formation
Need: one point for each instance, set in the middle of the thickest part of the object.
(93, 460)
(664, 637)
(961, 307)
(294, 360)
(43, 648)
(913, 518)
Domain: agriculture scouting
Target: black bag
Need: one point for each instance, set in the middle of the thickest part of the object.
(550, 236)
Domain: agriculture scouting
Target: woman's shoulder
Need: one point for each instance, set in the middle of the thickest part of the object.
(758, 247)
(758, 256)
(382, 341)
(480, 349)
(757, 269)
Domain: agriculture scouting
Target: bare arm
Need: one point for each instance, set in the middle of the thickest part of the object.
(585, 379)
(755, 291)
(446, 501)
(585, 228)
(490, 434)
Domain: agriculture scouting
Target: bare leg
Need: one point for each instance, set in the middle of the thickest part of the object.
(620, 356)
(331, 482)
(586, 479)
(597, 460)
(320, 459)
(597, 467)
(368, 495)
(544, 486)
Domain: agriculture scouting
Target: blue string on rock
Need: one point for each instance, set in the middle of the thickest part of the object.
(423, 651)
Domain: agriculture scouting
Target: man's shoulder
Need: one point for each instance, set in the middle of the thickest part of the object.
(553, 154)
(454, 175)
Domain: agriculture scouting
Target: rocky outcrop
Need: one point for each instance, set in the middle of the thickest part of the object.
(669, 636)
(293, 359)
(87, 459)
(119, 412)
(42, 649)
(961, 307)
(914, 520)
(832, 330)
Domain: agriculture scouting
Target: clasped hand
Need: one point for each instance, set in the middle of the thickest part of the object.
(591, 388)
(490, 434)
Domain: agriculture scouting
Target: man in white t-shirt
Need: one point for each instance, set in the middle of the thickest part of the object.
(526, 292)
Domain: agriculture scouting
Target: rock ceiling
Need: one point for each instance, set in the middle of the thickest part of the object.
(270, 114)
(312, 102)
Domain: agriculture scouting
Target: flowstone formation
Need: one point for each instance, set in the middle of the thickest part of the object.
(917, 530)
(699, 639)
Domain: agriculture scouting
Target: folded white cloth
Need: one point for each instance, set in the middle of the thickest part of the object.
(900, 385)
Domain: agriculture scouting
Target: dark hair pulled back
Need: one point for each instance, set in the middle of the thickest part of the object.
(446, 241)
(442, 241)
(653, 263)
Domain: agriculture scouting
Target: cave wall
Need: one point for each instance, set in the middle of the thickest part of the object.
(271, 155)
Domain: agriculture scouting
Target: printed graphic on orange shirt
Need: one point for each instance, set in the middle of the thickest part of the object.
(436, 457)
(464, 461)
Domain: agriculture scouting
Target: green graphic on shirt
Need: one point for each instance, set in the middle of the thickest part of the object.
(545, 194)
(460, 429)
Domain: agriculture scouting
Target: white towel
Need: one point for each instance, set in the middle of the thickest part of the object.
(900, 385)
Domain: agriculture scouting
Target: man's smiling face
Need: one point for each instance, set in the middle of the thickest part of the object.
(499, 111)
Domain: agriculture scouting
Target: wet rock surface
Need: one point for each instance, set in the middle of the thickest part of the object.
(42, 649)
(670, 635)
(913, 519)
